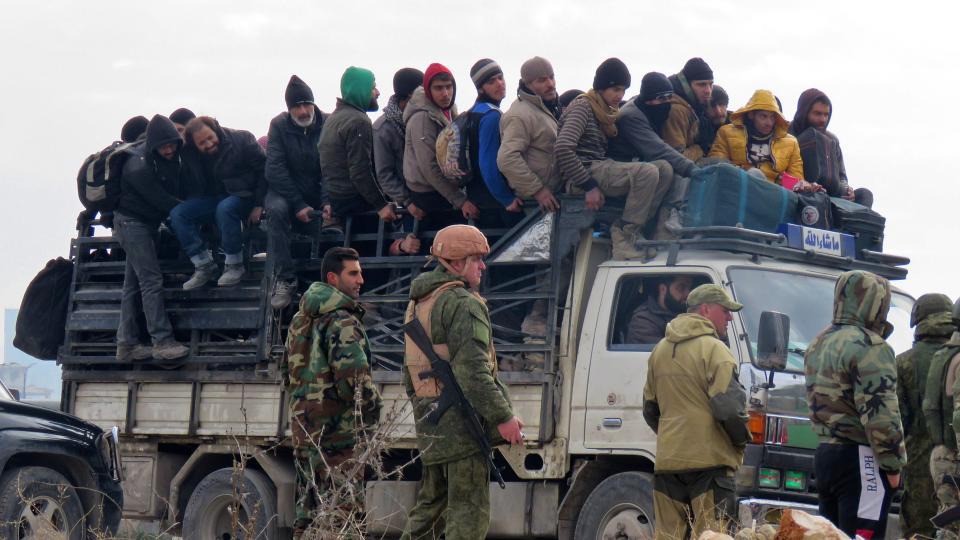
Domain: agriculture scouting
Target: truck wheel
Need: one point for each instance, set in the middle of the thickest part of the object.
(208, 515)
(37, 502)
(620, 508)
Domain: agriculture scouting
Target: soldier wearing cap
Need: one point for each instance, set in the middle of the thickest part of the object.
(454, 495)
(695, 403)
(933, 326)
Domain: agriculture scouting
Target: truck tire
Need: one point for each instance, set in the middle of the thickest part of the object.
(619, 507)
(207, 516)
(37, 502)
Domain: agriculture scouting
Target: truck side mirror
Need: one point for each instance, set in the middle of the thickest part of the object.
(15, 394)
(772, 338)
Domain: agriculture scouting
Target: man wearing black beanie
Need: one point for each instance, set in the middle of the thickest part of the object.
(388, 142)
(180, 117)
(717, 110)
(687, 128)
(293, 180)
(133, 128)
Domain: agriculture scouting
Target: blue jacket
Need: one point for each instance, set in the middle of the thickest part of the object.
(489, 144)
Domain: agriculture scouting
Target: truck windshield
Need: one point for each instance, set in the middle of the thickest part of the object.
(808, 300)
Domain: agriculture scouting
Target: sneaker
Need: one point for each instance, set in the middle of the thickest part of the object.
(201, 276)
(232, 274)
(331, 225)
(673, 223)
(170, 350)
(136, 353)
(283, 294)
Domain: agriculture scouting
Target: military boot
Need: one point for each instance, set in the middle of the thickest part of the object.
(202, 274)
(136, 353)
(624, 239)
(170, 350)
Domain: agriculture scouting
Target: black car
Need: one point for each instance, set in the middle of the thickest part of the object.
(59, 476)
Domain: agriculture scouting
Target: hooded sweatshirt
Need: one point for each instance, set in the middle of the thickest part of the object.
(460, 320)
(851, 375)
(329, 361)
(693, 400)
(425, 121)
(151, 185)
(836, 186)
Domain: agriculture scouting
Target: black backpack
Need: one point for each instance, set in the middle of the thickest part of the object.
(98, 182)
(42, 318)
(458, 146)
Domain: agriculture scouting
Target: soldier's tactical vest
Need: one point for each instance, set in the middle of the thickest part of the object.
(414, 360)
(938, 400)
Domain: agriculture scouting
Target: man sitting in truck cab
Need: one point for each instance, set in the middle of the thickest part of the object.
(666, 300)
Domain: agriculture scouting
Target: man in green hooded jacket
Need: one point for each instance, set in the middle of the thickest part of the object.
(933, 326)
(346, 150)
(454, 495)
(851, 381)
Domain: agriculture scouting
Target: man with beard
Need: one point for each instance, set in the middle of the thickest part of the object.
(648, 324)
(388, 134)
(293, 180)
(717, 110)
(346, 150)
(688, 129)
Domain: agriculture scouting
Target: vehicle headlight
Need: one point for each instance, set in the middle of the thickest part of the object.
(110, 451)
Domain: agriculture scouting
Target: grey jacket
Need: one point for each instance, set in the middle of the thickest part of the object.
(388, 158)
(636, 139)
(424, 122)
(528, 133)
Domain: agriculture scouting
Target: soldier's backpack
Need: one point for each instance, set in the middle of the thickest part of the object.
(98, 182)
(724, 195)
(937, 401)
(43, 311)
(821, 159)
(458, 146)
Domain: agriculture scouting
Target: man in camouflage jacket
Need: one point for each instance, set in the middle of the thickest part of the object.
(454, 495)
(851, 382)
(327, 373)
(933, 326)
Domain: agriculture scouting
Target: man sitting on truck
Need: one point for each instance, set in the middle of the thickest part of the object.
(687, 128)
(814, 111)
(701, 434)
(327, 368)
(648, 323)
(581, 153)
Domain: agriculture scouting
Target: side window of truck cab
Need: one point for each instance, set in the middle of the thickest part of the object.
(644, 303)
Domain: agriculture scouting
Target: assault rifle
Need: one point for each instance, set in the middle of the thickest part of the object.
(451, 394)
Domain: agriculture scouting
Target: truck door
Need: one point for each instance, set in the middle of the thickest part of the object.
(618, 361)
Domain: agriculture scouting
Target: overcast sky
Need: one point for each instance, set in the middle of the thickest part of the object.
(73, 72)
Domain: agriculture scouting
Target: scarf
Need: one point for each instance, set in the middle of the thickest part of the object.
(394, 115)
(606, 115)
(656, 114)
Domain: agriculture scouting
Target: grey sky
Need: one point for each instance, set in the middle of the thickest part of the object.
(73, 72)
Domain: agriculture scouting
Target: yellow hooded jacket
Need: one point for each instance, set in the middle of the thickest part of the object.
(731, 141)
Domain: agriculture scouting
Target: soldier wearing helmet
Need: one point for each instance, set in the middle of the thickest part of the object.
(932, 328)
(454, 495)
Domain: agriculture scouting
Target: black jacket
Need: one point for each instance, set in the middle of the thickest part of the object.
(150, 185)
(237, 167)
(346, 155)
(636, 139)
(293, 164)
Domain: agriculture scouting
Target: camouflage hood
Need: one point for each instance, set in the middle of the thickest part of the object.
(322, 298)
(938, 325)
(863, 299)
(426, 282)
(688, 326)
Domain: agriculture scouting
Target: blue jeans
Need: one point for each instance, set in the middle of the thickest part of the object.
(228, 212)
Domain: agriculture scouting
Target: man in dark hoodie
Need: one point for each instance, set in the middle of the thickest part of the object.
(293, 178)
(152, 185)
(232, 162)
(814, 111)
(688, 129)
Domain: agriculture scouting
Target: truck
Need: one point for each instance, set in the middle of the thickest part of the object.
(586, 467)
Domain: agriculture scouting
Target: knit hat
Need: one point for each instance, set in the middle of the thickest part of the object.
(356, 88)
(697, 70)
(483, 71)
(405, 81)
(297, 92)
(133, 128)
(568, 96)
(612, 72)
(719, 96)
(654, 85)
(535, 68)
(182, 116)
(432, 71)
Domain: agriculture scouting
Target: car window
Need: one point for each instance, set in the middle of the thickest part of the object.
(638, 317)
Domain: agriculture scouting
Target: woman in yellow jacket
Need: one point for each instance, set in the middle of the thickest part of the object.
(757, 138)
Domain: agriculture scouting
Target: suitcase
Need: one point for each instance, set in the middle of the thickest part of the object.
(726, 195)
(864, 224)
(821, 159)
(814, 210)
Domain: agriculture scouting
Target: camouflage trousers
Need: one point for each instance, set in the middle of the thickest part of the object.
(328, 499)
(944, 461)
(453, 501)
(917, 506)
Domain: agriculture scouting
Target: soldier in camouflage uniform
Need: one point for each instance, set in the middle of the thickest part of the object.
(932, 325)
(940, 410)
(327, 375)
(454, 495)
(851, 381)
